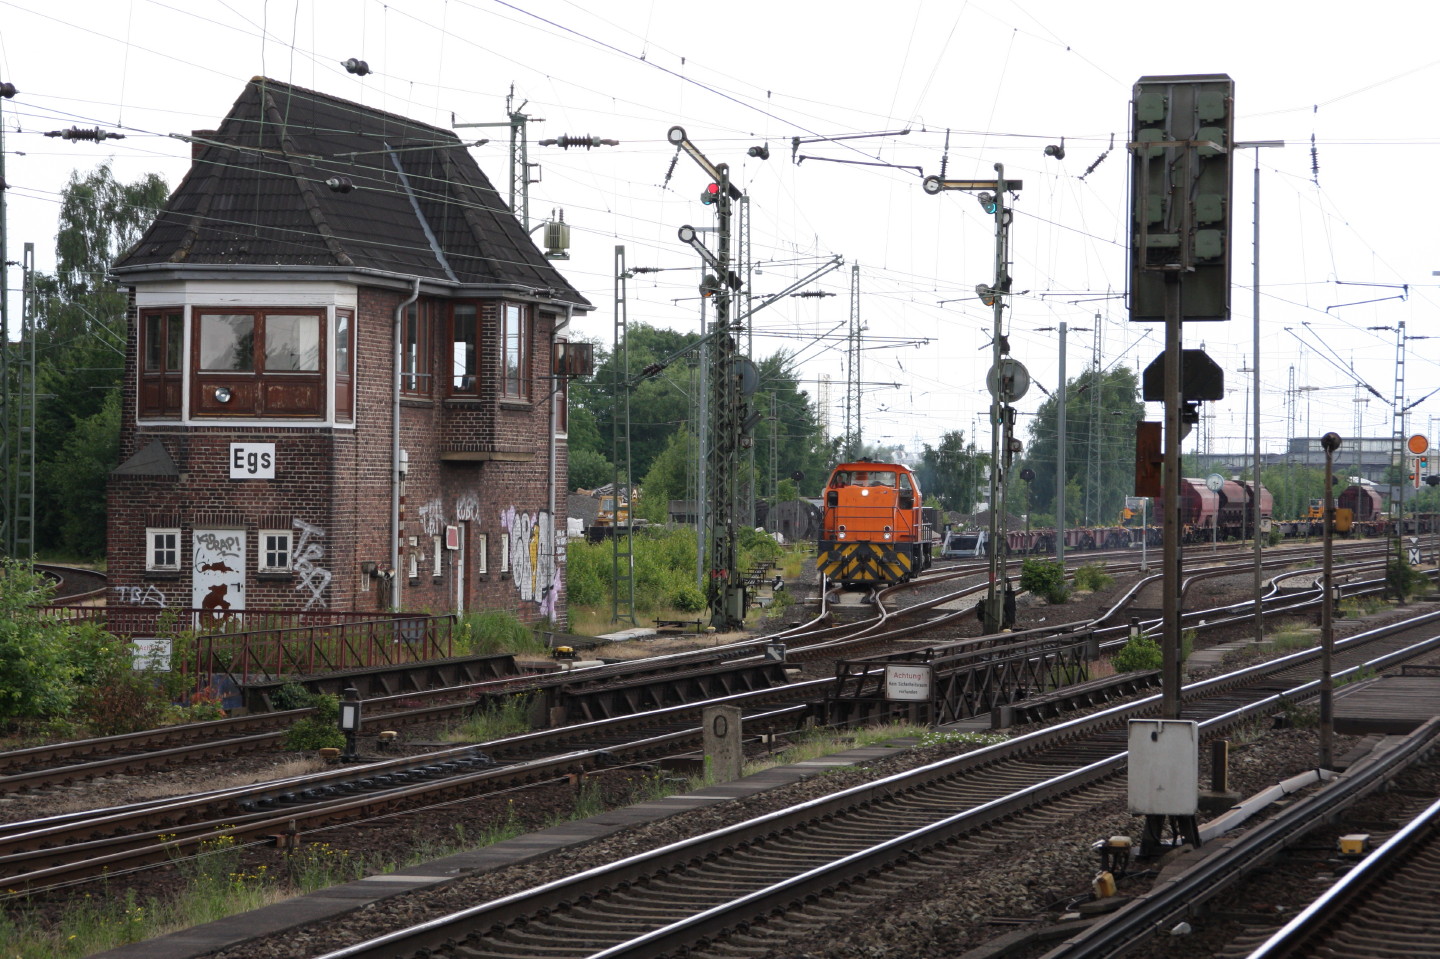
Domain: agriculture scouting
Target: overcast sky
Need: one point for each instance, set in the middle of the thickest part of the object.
(1351, 220)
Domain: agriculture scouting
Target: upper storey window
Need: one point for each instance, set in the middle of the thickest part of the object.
(162, 367)
(514, 350)
(260, 363)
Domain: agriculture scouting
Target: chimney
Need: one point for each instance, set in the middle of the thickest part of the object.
(198, 148)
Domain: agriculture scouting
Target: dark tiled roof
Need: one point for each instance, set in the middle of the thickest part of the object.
(420, 205)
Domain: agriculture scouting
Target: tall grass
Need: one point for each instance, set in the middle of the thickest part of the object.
(510, 717)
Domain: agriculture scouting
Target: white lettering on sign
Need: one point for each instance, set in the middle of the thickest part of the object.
(908, 683)
(252, 460)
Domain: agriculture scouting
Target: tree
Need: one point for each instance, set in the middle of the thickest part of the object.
(662, 402)
(80, 349)
(667, 477)
(954, 472)
(589, 470)
(1105, 427)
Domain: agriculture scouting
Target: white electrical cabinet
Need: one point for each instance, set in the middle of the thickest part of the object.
(1164, 767)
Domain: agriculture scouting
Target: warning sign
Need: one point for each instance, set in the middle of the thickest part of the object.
(909, 682)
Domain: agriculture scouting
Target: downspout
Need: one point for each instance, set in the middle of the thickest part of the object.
(395, 571)
(557, 528)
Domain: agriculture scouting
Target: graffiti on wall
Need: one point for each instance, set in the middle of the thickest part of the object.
(308, 553)
(432, 517)
(467, 507)
(531, 539)
(147, 595)
(217, 584)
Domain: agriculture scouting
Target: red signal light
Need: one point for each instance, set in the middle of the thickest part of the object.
(711, 194)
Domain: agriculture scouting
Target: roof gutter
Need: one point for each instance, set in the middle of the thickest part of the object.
(162, 272)
(397, 467)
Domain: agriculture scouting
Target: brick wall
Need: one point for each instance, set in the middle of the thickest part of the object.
(482, 463)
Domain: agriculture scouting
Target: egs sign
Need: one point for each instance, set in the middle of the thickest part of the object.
(252, 460)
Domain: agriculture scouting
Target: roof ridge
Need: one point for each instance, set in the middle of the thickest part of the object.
(264, 82)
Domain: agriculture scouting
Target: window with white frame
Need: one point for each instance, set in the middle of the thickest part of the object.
(482, 553)
(414, 554)
(276, 548)
(162, 549)
(505, 554)
(436, 545)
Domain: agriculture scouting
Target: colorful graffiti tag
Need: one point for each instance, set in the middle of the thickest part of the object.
(531, 538)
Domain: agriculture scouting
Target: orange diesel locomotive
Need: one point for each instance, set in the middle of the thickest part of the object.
(873, 532)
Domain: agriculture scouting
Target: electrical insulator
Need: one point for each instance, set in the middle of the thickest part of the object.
(357, 67)
(711, 194)
(566, 141)
(760, 152)
(340, 184)
(94, 135)
(7, 90)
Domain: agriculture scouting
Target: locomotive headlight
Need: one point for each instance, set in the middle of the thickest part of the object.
(887, 535)
(864, 492)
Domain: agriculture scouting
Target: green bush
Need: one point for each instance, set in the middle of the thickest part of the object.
(687, 598)
(1402, 579)
(37, 672)
(318, 730)
(1140, 654)
(1045, 578)
(1092, 576)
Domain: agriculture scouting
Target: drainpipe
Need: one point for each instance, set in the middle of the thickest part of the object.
(395, 455)
(556, 528)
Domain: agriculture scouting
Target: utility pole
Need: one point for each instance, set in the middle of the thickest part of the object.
(1257, 145)
(622, 551)
(519, 156)
(7, 410)
(727, 368)
(1008, 380)
(26, 395)
(853, 443)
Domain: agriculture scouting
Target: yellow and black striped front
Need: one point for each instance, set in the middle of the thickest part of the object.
(862, 562)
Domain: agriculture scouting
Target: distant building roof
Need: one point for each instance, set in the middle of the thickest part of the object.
(417, 205)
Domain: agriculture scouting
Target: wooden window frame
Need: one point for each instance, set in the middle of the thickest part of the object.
(345, 340)
(161, 389)
(464, 384)
(258, 391)
(515, 330)
(417, 328)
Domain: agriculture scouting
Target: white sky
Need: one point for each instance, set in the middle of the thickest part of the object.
(1008, 78)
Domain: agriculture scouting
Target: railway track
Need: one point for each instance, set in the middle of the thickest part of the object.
(761, 874)
(66, 849)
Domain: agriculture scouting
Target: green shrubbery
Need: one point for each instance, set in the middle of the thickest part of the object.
(1044, 578)
(321, 728)
(664, 568)
(1140, 654)
(1402, 579)
(496, 631)
(1092, 576)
